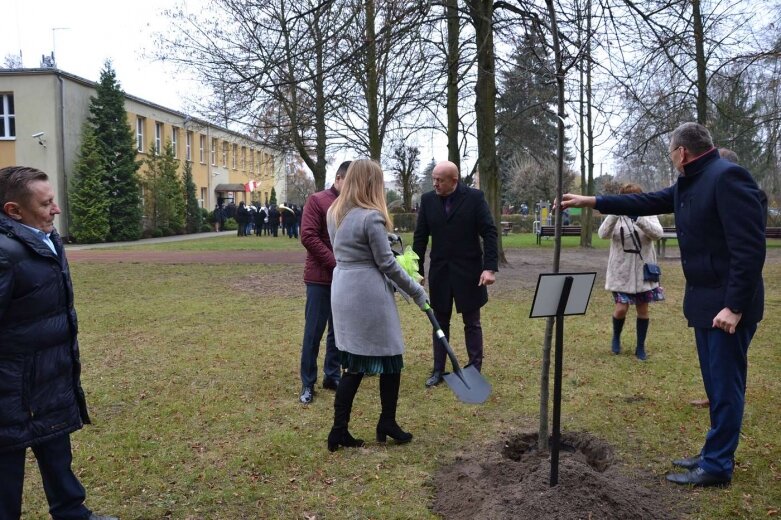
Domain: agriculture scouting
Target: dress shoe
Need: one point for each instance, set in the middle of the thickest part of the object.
(690, 463)
(93, 516)
(330, 383)
(307, 394)
(434, 379)
(698, 477)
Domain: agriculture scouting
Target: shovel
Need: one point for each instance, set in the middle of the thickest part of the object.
(467, 383)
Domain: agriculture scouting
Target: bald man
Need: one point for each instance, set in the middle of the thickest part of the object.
(456, 218)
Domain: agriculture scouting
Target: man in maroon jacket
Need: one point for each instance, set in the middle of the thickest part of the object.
(320, 263)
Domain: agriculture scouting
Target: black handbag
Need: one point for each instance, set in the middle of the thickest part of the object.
(651, 272)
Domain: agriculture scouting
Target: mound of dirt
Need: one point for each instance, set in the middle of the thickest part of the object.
(512, 480)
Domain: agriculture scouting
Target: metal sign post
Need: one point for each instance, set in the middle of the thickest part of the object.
(559, 295)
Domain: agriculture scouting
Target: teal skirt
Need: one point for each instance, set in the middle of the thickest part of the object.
(371, 364)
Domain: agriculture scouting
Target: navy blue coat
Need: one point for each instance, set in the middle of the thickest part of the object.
(40, 390)
(721, 234)
(457, 260)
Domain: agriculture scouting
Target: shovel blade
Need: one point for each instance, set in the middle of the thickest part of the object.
(469, 385)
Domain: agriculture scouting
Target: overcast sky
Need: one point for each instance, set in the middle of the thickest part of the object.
(85, 33)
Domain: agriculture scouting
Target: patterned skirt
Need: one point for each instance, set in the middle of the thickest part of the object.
(654, 295)
(371, 364)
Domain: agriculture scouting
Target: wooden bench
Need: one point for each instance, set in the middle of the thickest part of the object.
(661, 244)
(669, 232)
(506, 227)
(549, 231)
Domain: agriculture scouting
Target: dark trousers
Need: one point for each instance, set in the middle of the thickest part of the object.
(317, 314)
(473, 337)
(63, 490)
(723, 363)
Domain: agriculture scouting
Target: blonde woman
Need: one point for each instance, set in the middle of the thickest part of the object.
(366, 320)
(631, 247)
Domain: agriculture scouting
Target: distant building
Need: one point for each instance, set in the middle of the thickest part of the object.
(41, 116)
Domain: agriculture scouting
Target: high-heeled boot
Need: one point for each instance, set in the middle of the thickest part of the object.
(642, 331)
(343, 405)
(389, 397)
(618, 326)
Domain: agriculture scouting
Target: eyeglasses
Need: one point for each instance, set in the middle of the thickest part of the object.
(675, 149)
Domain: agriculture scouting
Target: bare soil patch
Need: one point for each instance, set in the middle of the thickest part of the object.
(511, 480)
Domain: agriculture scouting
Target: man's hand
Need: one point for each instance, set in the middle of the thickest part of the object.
(486, 278)
(570, 200)
(726, 320)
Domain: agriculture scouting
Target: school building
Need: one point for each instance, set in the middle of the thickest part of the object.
(42, 112)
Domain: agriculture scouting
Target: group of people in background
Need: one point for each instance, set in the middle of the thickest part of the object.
(259, 220)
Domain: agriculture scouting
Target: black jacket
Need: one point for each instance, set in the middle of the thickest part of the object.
(40, 389)
(721, 233)
(457, 260)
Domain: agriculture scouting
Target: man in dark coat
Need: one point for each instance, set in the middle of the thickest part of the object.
(318, 273)
(456, 217)
(41, 399)
(273, 220)
(721, 234)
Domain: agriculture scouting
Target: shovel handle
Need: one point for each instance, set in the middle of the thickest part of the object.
(442, 338)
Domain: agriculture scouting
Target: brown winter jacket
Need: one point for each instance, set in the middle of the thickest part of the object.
(320, 261)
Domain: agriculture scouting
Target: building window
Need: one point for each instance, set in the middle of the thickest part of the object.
(251, 160)
(158, 137)
(7, 118)
(225, 154)
(214, 152)
(235, 156)
(175, 141)
(140, 134)
(188, 146)
(203, 197)
(202, 144)
(244, 158)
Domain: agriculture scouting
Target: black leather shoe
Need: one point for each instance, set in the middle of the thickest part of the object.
(341, 437)
(690, 463)
(330, 384)
(307, 394)
(698, 477)
(434, 379)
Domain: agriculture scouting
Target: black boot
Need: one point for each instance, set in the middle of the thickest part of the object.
(618, 326)
(642, 331)
(389, 396)
(343, 405)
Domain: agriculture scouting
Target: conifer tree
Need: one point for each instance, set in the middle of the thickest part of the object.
(88, 194)
(273, 199)
(193, 216)
(164, 201)
(118, 150)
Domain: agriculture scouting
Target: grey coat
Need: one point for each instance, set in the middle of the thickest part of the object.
(625, 270)
(365, 317)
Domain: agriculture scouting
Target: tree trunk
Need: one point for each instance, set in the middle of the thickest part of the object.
(587, 220)
(699, 50)
(453, 35)
(372, 84)
(542, 442)
(481, 12)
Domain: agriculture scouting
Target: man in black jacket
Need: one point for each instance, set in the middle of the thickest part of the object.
(456, 217)
(41, 399)
(721, 234)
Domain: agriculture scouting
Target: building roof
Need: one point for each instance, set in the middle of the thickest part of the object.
(92, 84)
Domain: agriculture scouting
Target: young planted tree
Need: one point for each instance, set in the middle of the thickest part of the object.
(88, 196)
(118, 151)
(193, 216)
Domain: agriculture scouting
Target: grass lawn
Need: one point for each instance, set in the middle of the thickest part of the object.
(191, 372)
